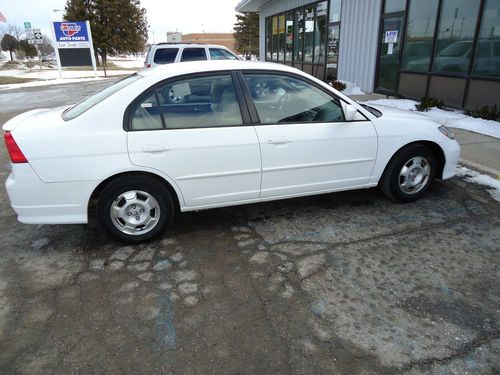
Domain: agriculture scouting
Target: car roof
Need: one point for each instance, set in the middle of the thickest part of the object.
(186, 44)
(170, 70)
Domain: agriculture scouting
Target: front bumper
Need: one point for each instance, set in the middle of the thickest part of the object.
(452, 156)
(36, 202)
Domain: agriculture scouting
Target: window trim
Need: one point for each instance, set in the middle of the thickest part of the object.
(253, 109)
(129, 111)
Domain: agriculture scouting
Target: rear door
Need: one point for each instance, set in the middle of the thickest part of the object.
(307, 146)
(202, 140)
(194, 54)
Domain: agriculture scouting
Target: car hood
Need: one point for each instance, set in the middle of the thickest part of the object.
(402, 114)
(36, 118)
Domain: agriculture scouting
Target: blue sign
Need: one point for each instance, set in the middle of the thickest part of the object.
(70, 31)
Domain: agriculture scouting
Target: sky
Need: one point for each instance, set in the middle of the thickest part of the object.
(186, 16)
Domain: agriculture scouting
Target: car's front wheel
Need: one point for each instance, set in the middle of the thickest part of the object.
(135, 208)
(409, 174)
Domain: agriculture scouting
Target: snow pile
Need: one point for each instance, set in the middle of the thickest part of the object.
(481, 179)
(351, 89)
(452, 118)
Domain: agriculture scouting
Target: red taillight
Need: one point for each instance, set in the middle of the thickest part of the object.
(148, 65)
(15, 153)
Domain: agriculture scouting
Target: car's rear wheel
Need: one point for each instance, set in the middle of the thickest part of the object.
(135, 208)
(409, 174)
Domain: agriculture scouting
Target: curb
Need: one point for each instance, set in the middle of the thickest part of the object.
(492, 172)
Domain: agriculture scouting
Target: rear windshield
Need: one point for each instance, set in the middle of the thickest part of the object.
(165, 55)
(99, 96)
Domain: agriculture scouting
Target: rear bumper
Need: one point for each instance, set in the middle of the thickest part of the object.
(36, 202)
(452, 155)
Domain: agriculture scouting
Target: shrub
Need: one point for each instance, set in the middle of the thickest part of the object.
(486, 112)
(427, 102)
(337, 85)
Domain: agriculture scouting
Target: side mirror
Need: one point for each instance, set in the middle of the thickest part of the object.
(349, 111)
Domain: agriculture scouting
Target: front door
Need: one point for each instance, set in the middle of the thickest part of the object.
(306, 144)
(192, 131)
(390, 54)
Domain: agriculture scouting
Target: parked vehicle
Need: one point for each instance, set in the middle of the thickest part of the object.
(265, 131)
(168, 53)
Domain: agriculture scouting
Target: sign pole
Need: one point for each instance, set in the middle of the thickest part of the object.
(92, 54)
(58, 59)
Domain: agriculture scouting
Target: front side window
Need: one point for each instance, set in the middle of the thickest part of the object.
(419, 35)
(455, 34)
(201, 102)
(487, 61)
(286, 99)
(165, 55)
(221, 54)
(193, 54)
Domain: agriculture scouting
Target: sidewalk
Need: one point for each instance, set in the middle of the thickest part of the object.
(479, 151)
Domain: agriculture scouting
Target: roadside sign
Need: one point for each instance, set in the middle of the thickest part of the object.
(27, 25)
(37, 33)
(71, 34)
(73, 45)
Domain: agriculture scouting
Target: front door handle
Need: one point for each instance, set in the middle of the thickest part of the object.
(279, 140)
(153, 149)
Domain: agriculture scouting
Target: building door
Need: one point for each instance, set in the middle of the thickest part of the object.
(390, 49)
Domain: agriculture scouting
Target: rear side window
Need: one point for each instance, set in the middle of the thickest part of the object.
(193, 54)
(165, 55)
(221, 54)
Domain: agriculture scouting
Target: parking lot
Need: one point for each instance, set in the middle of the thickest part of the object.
(344, 283)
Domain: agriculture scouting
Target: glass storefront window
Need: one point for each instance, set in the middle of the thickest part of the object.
(335, 7)
(274, 55)
(394, 6)
(419, 35)
(268, 38)
(298, 35)
(320, 32)
(455, 36)
(487, 61)
(333, 50)
(281, 37)
(289, 36)
(309, 34)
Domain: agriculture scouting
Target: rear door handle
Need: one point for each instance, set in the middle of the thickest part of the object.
(279, 140)
(153, 149)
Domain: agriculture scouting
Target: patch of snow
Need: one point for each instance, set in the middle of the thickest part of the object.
(452, 118)
(351, 89)
(129, 63)
(481, 179)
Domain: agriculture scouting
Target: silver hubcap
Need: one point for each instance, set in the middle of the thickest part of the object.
(173, 98)
(135, 212)
(414, 175)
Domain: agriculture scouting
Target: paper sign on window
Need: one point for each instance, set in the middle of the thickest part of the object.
(391, 36)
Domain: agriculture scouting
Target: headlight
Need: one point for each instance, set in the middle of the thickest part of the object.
(447, 132)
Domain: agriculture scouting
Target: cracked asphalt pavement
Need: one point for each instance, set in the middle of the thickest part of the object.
(345, 283)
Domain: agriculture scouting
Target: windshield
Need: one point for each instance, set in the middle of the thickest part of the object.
(98, 97)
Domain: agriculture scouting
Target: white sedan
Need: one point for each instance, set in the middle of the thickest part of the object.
(237, 132)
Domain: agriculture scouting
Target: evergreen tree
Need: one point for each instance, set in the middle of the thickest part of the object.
(9, 43)
(246, 33)
(118, 26)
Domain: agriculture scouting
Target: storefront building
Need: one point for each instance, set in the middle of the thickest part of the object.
(449, 49)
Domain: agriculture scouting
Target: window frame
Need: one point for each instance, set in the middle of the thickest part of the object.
(253, 109)
(131, 108)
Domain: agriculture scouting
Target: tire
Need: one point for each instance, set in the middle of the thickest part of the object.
(409, 174)
(135, 209)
